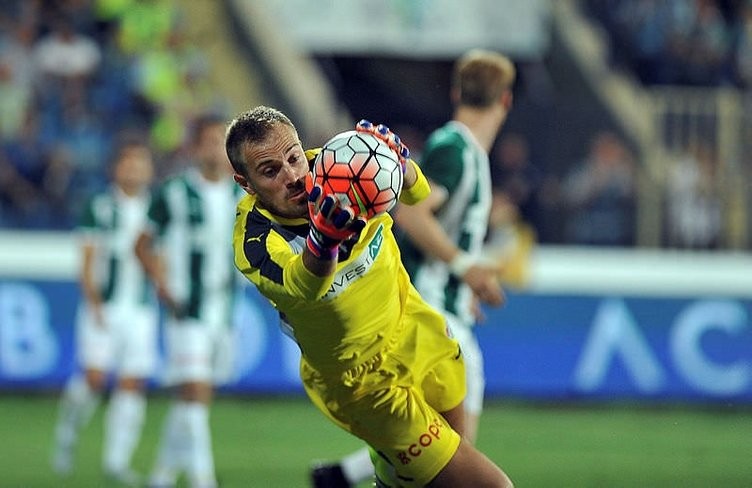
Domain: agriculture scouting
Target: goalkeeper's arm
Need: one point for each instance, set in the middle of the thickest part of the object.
(415, 187)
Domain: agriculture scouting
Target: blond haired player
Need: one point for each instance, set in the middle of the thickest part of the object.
(375, 358)
(445, 232)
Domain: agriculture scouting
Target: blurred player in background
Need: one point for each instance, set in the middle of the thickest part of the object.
(117, 320)
(375, 358)
(187, 253)
(444, 233)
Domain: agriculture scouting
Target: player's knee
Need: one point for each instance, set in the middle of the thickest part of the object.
(196, 391)
(95, 379)
(131, 384)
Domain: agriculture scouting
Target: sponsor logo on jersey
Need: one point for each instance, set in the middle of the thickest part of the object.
(357, 267)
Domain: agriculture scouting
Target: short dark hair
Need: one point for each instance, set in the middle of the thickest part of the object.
(251, 126)
(126, 141)
(203, 122)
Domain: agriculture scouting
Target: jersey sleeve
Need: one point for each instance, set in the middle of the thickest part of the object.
(271, 260)
(87, 220)
(158, 215)
(89, 228)
(441, 164)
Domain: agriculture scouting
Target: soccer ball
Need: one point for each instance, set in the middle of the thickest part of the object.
(361, 170)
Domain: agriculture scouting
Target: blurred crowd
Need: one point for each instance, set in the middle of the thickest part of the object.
(680, 42)
(76, 75)
(593, 203)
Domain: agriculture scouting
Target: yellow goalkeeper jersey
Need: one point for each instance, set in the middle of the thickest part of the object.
(376, 358)
(339, 321)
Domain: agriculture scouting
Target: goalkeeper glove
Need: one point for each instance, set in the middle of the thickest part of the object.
(331, 223)
(390, 138)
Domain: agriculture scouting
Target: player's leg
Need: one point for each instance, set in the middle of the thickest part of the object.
(124, 420)
(475, 379)
(80, 399)
(186, 439)
(445, 388)
(470, 467)
(170, 456)
(82, 392)
(438, 445)
(196, 399)
(136, 339)
(350, 470)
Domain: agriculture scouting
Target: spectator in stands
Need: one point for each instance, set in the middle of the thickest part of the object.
(172, 79)
(15, 101)
(66, 55)
(514, 175)
(145, 25)
(16, 77)
(25, 169)
(676, 42)
(600, 195)
(742, 55)
(20, 199)
(694, 200)
(706, 54)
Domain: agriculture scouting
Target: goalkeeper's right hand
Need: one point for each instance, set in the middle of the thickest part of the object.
(331, 223)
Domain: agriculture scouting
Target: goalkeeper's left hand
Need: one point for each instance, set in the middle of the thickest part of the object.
(390, 138)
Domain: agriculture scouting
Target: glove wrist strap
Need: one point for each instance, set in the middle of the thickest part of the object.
(322, 250)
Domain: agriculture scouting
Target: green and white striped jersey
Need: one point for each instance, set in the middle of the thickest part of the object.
(454, 160)
(192, 219)
(111, 222)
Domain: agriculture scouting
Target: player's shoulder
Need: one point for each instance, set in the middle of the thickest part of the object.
(251, 219)
(246, 204)
(99, 197)
(447, 139)
(180, 178)
(449, 133)
(257, 233)
(169, 184)
(100, 201)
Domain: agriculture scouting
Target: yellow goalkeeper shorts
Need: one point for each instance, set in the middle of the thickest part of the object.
(394, 400)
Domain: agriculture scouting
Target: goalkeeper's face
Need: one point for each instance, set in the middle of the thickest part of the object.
(276, 168)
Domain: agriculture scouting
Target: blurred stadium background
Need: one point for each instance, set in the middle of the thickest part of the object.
(624, 354)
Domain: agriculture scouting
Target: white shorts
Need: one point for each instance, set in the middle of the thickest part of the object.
(476, 378)
(198, 351)
(126, 345)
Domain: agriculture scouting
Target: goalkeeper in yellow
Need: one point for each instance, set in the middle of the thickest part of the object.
(375, 358)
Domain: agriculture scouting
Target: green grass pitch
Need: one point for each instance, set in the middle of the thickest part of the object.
(269, 442)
